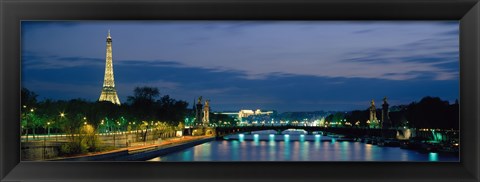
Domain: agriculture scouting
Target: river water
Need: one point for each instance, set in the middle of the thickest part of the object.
(297, 150)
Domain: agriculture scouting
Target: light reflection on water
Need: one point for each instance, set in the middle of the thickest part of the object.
(289, 150)
(433, 156)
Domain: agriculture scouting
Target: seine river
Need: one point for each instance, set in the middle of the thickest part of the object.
(296, 150)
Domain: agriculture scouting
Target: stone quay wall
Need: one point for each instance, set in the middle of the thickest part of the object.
(34, 150)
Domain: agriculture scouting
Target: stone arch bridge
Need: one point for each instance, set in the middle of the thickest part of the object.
(349, 132)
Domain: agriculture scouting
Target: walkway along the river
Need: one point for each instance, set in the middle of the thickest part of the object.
(140, 151)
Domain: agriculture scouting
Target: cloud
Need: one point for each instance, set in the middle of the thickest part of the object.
(57, 90)
(154, 63)
(284, 65)
(162, 85)
(261, 48)
(220, 90)
(360, 61)
(37, 61)
(425, 58)
(364, 31)
(228, 90)
(451, 32)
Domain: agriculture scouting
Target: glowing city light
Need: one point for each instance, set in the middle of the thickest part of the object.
(241, 137)
(432, 156)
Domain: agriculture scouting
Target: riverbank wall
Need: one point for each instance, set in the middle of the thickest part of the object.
(145, 155)
(37, 150)
(139, 154)
(40, 150)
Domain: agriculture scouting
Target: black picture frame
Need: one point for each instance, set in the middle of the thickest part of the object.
(14, 11)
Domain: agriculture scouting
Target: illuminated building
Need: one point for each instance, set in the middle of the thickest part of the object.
(244, 113)
(109, 92)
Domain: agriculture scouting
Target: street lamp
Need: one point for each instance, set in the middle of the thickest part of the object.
(48, 128)
(62, 116)
(118, 123)
(31, 116)
(85, 120)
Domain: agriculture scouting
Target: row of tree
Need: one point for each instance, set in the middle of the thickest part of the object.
(430, 112)
(145, 105)
(146, 108)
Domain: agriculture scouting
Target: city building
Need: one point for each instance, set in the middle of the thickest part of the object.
(245, 113)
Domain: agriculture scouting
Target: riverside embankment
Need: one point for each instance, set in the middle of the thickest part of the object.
(140, 152)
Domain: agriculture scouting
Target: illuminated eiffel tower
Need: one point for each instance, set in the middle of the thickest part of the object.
(108, 91)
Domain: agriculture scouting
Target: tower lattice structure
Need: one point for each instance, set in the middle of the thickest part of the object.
(109, 92)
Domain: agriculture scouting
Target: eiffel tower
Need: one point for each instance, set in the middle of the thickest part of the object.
(108, 91)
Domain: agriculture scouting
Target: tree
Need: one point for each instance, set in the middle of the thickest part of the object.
(337, 118)
(143, 95)
(37, 121)
(29, 103)
(142, 102)
(28, 98)
(431, 112)
(180, 126)
(453, 116)
(171, 110)
(221, 119)
(360, 116)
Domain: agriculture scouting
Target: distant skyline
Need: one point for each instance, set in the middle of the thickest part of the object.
(271, 65)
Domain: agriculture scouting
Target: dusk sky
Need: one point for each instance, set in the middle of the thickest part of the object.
(270, 65)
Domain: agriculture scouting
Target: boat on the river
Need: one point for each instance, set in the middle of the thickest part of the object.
(388, 142)
(420, 145)
(450, 148)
